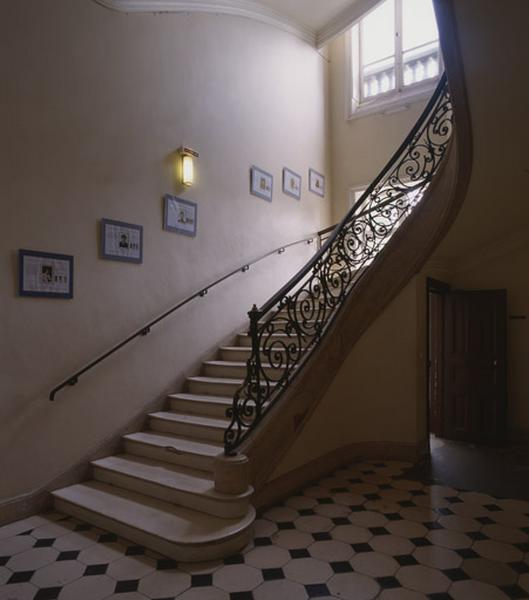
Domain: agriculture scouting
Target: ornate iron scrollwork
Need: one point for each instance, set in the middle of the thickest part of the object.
(289, 326)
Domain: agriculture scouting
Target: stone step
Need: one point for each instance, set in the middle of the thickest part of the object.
(171, 483)
(212, 406)
(178, 532)
(234, 369)
(240, 353)
(280, 339)
(179, 450)
(191, 426)
(213, 386)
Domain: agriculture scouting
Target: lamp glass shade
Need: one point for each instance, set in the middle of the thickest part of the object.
(188, 170)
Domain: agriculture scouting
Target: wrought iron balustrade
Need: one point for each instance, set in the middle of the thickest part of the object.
(288, 327)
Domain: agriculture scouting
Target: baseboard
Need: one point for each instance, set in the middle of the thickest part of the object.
(282, 487)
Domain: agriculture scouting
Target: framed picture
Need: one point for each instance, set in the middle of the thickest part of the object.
(316, 183)
(291, 183)
(180, 215)
(45, 275)
(261, 183)
(121, 241)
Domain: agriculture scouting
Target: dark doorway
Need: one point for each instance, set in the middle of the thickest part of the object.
(467, 363)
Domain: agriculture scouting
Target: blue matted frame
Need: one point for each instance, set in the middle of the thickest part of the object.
(254, 188)
(287, 172)
(104, 253)
(22, 254)
(314, 189)
(167, 199)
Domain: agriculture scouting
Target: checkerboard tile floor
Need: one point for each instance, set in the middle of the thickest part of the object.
(364, 532)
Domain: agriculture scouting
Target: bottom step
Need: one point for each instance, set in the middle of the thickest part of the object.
(177, 532)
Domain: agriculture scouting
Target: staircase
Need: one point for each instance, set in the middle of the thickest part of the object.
(181, 487)
(161, 492)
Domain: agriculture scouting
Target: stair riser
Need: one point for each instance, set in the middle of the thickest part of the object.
(195, 461)
(178, 552)
(222, 371)
(206, 409)
(283, 342)
(211, 506)
(284, 317)
(212, 389)
(239, 355)
(201, 432)
(233, 372)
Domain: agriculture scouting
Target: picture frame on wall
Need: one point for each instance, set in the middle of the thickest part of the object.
(316, 183)
(121, 241)
(179, 215)
(291, 183)
(261, 183)
(45, 274)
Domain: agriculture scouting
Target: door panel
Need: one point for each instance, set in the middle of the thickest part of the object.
(475, 393)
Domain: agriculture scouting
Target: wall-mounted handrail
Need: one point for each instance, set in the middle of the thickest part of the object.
(286, 329)
(142, 331)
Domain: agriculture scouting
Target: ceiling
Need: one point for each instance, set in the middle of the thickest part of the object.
(312, 14)
(315, 21)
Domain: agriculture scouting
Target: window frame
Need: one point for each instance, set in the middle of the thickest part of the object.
(393, 100)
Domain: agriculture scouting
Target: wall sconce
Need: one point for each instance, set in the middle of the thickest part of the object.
(188, 165)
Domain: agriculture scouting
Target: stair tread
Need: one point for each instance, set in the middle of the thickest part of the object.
(169, 475)
(227, 400)
(221, 380)
(205, 379)
(180, 443)
(192, 419)
(229, 363)
(245, 349)
(176, 524)
(275, 334)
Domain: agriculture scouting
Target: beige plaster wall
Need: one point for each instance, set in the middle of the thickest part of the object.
(373, 397)
(362, 146)
(93, 105)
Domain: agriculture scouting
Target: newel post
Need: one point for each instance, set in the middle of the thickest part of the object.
(232, 474)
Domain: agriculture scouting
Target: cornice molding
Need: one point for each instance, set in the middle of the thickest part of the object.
(344, 20)
(240, 8)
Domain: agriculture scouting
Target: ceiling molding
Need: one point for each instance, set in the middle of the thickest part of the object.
(249, 9)
(344, 20)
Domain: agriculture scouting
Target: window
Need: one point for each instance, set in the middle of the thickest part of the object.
(395, 55)
(355, 193)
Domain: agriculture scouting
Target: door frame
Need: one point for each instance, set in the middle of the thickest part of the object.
(435, 286)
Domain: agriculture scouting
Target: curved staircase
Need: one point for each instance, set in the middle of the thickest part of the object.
(182, 486)
(161, 491)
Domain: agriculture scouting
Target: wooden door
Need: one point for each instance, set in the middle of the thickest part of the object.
(475, 376)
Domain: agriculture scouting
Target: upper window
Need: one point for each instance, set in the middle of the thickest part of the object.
(395, 54)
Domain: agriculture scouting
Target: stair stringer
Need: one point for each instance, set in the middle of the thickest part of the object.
(404, 255)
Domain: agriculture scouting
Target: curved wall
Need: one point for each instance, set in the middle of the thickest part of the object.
(95, 105)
